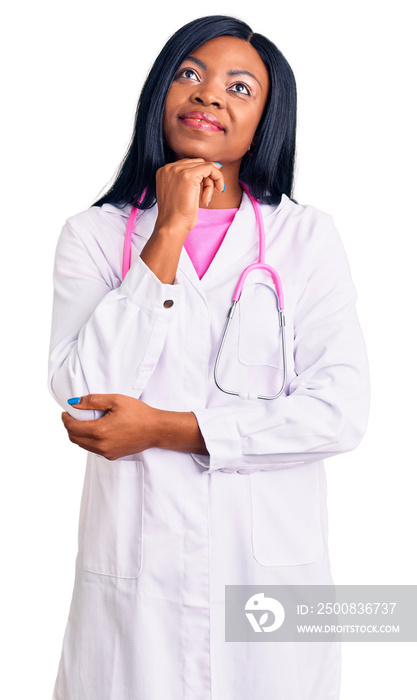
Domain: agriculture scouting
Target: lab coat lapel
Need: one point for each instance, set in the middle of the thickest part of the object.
(241, 238)
(186, 266)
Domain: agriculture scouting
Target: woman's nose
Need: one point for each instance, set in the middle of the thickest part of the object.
(207, 95)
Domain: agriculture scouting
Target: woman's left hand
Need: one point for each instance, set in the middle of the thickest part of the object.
(128, 425)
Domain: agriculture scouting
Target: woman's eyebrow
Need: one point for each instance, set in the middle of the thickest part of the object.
(244, 72)
(230, 72)
(197, 61)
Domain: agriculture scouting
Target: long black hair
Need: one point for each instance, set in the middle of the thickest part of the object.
(268, 172)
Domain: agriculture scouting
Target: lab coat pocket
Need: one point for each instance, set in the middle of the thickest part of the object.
(286, 523)
(112, 541)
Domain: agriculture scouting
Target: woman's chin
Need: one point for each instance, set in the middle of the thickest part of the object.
(197, 150)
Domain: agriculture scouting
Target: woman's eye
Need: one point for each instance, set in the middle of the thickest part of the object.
(188, 73)
(240, 88)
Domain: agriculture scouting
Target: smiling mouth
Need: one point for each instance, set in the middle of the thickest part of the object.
(204, 122)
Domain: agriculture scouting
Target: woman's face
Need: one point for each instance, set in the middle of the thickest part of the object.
(216, 101)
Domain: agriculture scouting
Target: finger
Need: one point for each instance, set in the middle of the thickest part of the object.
(206, 166)
(207, 191)
(82, 428)
(189, 160)
(94, 402)
(87, 443)
(207, 169)
(218, 178)
(89, 435)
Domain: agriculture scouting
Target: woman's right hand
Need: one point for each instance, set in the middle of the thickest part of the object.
(181, 188)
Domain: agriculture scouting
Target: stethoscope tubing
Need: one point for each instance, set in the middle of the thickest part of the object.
(127, 247)
(249, 395)
(260, 265)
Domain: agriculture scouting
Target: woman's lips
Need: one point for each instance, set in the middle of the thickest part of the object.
(201, 120)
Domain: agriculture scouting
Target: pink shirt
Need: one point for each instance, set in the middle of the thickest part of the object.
(205, 239)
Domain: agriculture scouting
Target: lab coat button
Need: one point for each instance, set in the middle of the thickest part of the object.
(168, 303)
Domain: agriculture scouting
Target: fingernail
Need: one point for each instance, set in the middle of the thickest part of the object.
(216, 161)
(75, 400)
(224, 187)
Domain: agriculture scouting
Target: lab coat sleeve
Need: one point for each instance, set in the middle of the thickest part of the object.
(325, 409)
(104, 339)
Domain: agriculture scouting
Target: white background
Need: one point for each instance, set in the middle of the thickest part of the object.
(73, 72)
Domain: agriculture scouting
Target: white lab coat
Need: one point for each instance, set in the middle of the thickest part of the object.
(161, 533)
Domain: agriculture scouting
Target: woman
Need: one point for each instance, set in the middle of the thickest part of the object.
(188, 488)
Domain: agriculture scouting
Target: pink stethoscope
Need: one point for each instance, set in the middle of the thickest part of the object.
(259, 265)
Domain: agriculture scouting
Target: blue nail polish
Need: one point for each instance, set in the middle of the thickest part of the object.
(216, 161)
(75, 400)
(224, 187)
